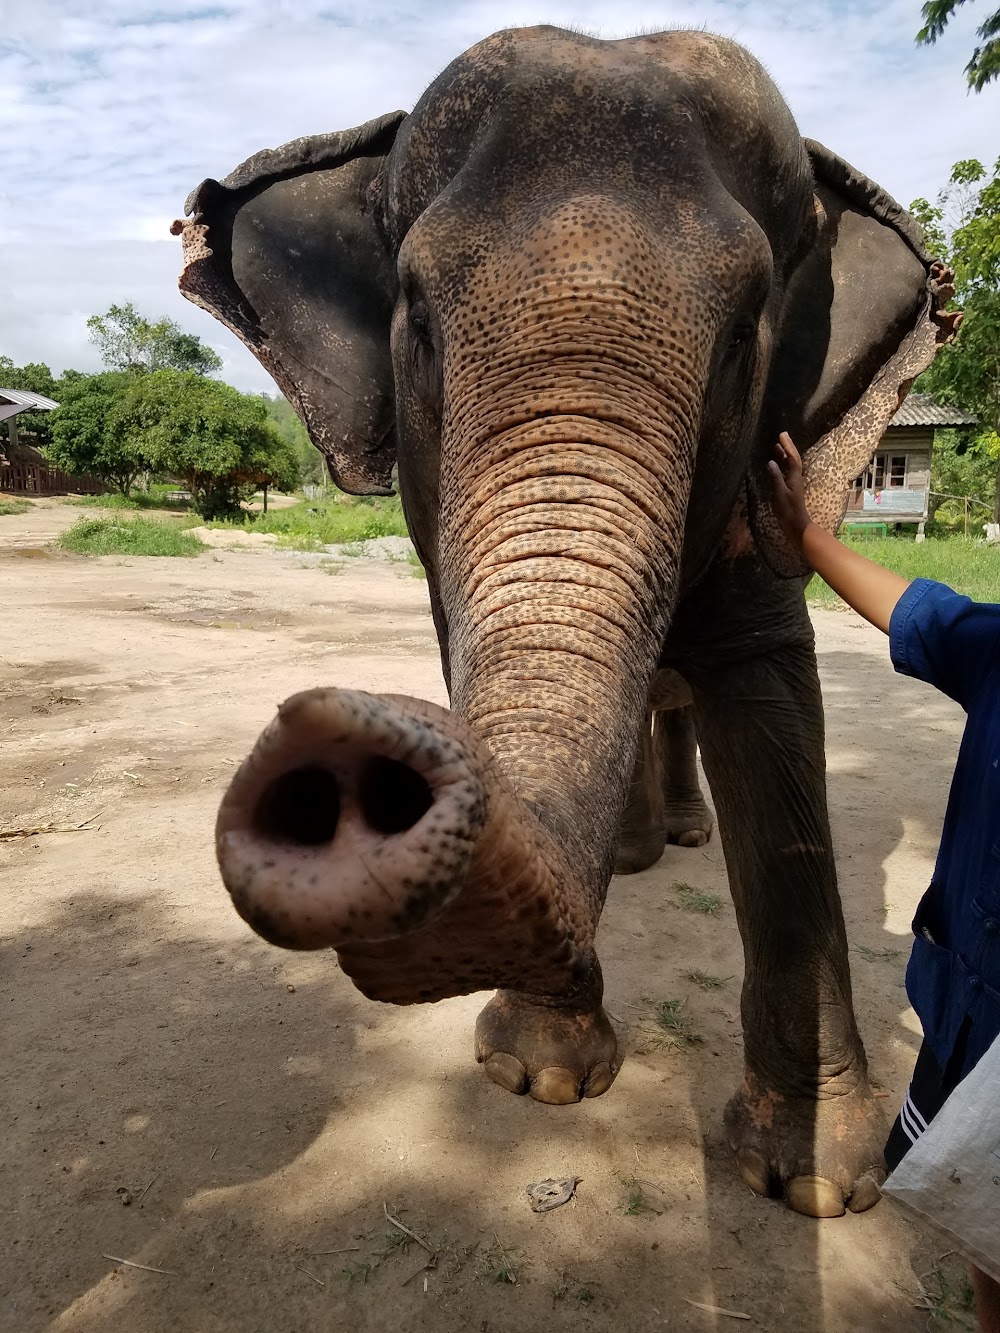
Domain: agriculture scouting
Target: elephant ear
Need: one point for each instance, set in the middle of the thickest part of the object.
(863, 316)
(289, 253)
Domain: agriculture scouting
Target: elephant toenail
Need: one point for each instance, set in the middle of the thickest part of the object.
(867, 1192)
(815, 1197)
(599, 1079)
(755, 1170)
(508, 1072)
(694, 838)
(556, 1086)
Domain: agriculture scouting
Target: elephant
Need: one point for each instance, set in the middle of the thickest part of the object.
(569, 301)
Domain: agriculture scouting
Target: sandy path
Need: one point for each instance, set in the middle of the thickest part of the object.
(152, 1041)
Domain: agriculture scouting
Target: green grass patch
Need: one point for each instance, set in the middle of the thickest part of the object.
(14, 507)
(970, 567)
(877, 955)
(672, 1016)
(333, 522)
(637, 1201)
(129, 536)
(153, 499)
(705, 981)
(691, 899)
(947, 1297)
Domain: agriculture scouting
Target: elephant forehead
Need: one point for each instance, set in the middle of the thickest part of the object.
(658, 112)
(549, 257)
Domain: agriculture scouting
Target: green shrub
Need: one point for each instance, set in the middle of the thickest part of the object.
(137, 500)
(331, 522)
(14, 507)
(129, 536)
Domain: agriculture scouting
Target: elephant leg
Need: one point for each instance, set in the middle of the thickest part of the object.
(665, 803)
(804, 1122)
(687, 819)
(641, 836)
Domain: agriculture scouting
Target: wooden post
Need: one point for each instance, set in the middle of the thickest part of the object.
(12, 432)
(265, 497)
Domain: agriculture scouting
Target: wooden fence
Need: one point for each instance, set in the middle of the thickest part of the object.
(41, 479)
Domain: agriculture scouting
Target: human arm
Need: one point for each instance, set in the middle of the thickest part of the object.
(870, 589)
(935, 634)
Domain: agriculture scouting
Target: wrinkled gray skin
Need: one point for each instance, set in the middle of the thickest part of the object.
(575, 294)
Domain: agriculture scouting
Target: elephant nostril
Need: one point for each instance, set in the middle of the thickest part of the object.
(302, 806)
(393, 796)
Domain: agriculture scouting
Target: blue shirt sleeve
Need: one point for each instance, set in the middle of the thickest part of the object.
(948, 640)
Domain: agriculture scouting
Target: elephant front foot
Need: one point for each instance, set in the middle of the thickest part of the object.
(823, 1155)
(688, 823)
(554, 1054)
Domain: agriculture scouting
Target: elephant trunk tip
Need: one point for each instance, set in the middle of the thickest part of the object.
(302, 807)
(352, 821)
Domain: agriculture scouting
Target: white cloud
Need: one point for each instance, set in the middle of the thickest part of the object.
(111, 110)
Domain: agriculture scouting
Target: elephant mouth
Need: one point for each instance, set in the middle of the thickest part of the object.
(353, 820)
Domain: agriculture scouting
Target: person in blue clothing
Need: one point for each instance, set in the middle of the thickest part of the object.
(953, 976)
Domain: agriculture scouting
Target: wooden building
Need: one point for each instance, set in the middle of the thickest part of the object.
(24, 470)
(896, 485)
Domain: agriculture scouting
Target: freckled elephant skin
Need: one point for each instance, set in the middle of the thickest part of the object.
(574, 296)
(381, 826)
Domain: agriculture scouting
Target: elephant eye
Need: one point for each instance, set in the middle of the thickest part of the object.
(425, 353)
(420, 323)
(741, 333)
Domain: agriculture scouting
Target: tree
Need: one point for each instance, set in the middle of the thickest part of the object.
(84, 439)
(985, 62)
(128, 341)
(215, 439)
(35, 377)
(959, 469)
(967, 373)
(312, 465)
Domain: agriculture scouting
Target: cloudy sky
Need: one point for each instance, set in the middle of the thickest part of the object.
(111, 110)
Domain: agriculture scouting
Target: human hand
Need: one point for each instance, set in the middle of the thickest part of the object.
(788, 492)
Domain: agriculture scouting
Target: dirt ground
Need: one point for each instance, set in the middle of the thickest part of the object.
(179, 1094)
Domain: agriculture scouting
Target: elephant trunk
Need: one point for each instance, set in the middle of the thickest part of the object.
(360, 819)
(442, 853)
(563, 553)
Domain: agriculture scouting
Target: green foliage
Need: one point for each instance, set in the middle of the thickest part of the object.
(970, 567)
(931, 219)
(878, 955)
(337, 521)
(128, 341)
(696, 900)
(84, 439)
(217, 440)
(705, 980)
(637, 1202)
(129, 536)
(35, 377)
(151, 499)
(967, 372)
(312, 467)
(985, 62)
(9, 507)
(961, 470)
(672, 1016)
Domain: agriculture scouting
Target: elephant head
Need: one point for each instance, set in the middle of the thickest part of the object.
(575, 295)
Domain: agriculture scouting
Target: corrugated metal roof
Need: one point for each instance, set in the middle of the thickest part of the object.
(920, 409)
(35, 401)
